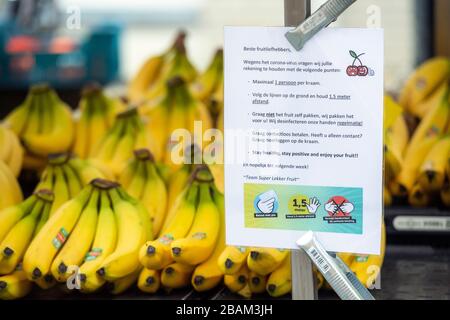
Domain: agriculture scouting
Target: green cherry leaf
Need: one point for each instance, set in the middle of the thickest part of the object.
(353, 54)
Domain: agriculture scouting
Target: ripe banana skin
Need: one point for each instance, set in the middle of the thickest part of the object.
(149, 280)
(10, 216)
(265, 260)
(95, 115)
(53, 235)
(207, 82)
(123, 284)
(157, 254)
(14, 245)
(151, 72)
(103, 245)
(75, 249)
(14, 286)
(208, 275)
(432, 172)
(237, 281)
(200, 242)
(257, 283)
(418, 197)
(142, 181)
(232, 259)
(424, 82)
(176, 275)
(396, 142)
(46, 282)
(9, 187)
(11, 151)
(130, 237)
(279, 282)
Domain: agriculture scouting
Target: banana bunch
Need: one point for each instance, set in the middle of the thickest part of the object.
(154, 70)
(173, 121)
(191, 241)
(19, 224)
(11, 193)
(426, 87)
(96, 235)
(127, 134)
(429, 131)
(11, 151)
(142, 180)
(66, 175)
(93, 118)
(44, 125)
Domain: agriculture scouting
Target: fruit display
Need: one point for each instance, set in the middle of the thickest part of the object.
(44, 124)
(128, 195)
(417, 145)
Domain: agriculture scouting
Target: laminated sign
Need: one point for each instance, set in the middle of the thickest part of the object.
(304, 138)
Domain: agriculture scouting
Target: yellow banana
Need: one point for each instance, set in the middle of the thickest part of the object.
(387, 197)
(421, 109)
(123, 284)
(418, 197)
(103, 245)
(53, 235)
(265, 260)
(257, 283)
(74, 183)
(236, 282)
(79, 242)
(199, 244)
(232, 259)
(46, 282)
(424, 81)
(177, 183)
(432, 172)
(16, 242)
(151, 72)
(130, 237)
(14, 286)
(11, 215)
(414, 157)
(11, 152)
(207, 82)
(396, 141)
(60, 189)
(208, 275)
(154, 193)
(279, 282)
(176, 275)
(149, 280)
(11, 192)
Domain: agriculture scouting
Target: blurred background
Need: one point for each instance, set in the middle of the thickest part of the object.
(70, 34)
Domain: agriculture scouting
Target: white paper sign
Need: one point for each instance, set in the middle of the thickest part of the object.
(304, 138)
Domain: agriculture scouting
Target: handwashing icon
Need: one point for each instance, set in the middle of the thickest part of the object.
(267, 202)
